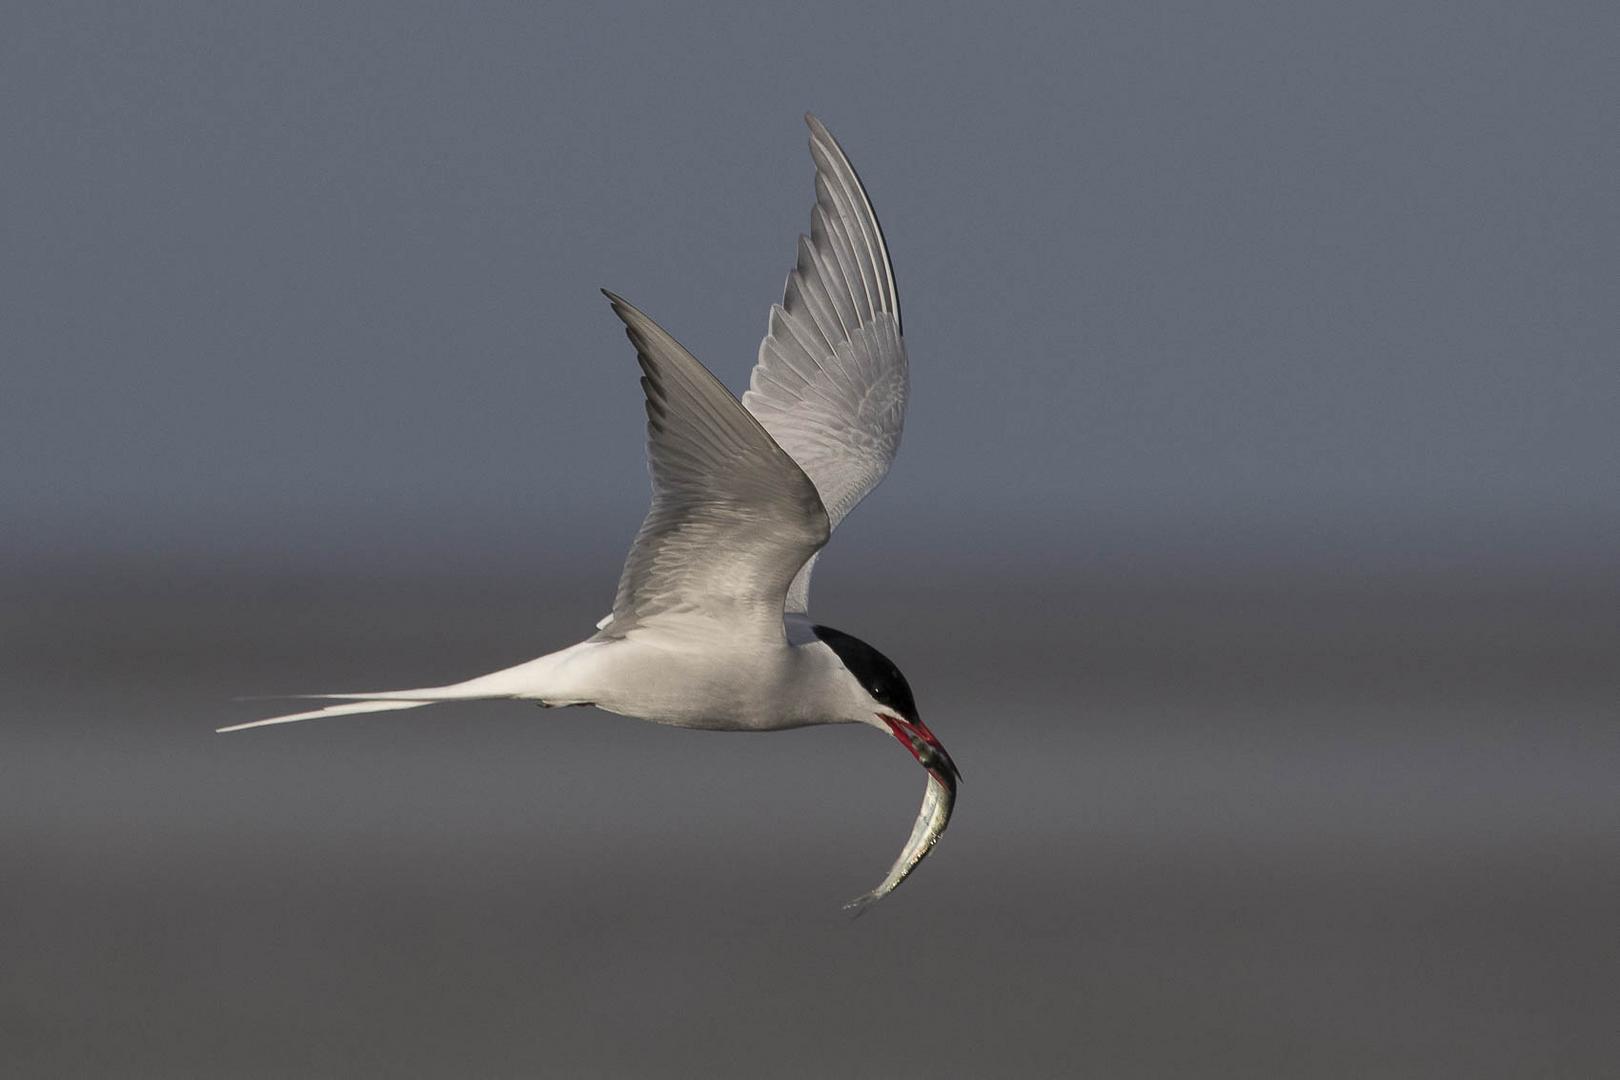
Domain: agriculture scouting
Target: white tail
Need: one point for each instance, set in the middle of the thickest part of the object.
(331, 710)
(527, 681)
(382, 701)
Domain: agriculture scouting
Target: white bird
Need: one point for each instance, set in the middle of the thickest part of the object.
(710, 627)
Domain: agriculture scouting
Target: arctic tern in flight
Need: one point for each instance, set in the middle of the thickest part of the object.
(710, 627)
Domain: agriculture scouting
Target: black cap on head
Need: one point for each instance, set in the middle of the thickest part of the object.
(875, 672)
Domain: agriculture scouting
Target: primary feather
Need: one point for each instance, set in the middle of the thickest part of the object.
(831, 381)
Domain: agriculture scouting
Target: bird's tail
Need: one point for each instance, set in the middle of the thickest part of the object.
(348, 708)
(382, 701)
(530, 681)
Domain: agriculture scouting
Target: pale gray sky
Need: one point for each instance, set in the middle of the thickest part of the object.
(1223, 318)
(318, 280)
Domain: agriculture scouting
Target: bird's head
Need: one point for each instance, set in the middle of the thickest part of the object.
(880, 696)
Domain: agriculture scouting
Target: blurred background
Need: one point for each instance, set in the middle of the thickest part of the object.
(1252, 547)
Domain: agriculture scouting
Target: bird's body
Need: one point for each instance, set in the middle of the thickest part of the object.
(710, 626)
(665, 678)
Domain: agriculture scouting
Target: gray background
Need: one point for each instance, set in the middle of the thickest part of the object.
(1252, 546)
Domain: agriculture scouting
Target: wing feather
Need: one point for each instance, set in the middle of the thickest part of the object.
(831, 382)
(733, 517)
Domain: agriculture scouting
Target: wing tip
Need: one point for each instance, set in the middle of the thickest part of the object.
(820, 134)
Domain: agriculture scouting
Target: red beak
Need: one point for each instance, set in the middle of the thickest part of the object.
(925, 747)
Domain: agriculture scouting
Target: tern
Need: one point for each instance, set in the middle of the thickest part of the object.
(710, 626)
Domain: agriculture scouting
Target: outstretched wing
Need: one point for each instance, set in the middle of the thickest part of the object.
(732, 520)
(830, 385)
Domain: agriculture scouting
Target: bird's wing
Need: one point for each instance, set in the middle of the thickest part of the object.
(830, 384)
(732, 520)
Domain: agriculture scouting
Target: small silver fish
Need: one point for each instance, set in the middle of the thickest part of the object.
(938, 800)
